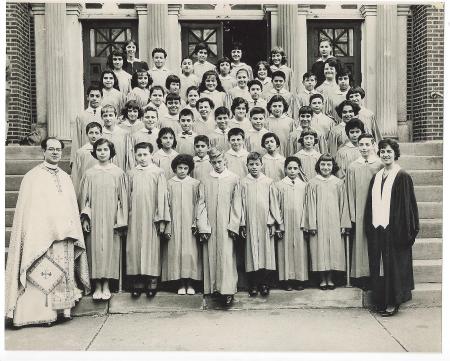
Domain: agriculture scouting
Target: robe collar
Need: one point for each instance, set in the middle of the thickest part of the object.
(349, 144)
(323, 178)
(176, 179)
(261, 177)
(198, 159)
(253, 130)
(372, 159)
(50, 166)
(88, 146)
(106, 167)
(127, 123)
(150, 166)
(221, 132)
(308, 154)
(278, 156)
(224, 174)
(288, 181)
(154, 68)
(242, 152)
(145, 130)
(164, 154)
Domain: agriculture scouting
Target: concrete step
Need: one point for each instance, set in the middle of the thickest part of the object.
(11, 199)
(430, 228)
(426, 177)
(422, 148)
(30, 153)
(7, 236)
(431, 193)
(9, 216)
(410, 162)
(430, 210)
(12, 182)
(427, 271)
(427, 249)
(20, 167)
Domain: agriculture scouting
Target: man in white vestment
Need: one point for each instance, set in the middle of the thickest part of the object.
(46, 245)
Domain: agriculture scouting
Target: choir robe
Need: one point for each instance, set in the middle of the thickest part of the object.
(336, 138)
(370, 123)
(142, 135)
(161, 109)
(186, 81)
(113, 97)
(289, 85)
(237, 162)
(235, 68)
(219, 255)
(170, 121)
(202, 168)
(260, 102)
(202, 127)
(244, 124)
(266, 83)
(181, 255)
(260, 210)
(219, 139)
(332, 98)
(141, 96)
(148, 214)
(320, 122)
(281, 127)
(346, 154)
(292, 249)
(83, 161)
(124, 81)
(327, 86)
(79, 136)
(159, 75)
(118, 137)
(164, 161)
(294, 144)
(220, 99)
(308, 160)
(253, 139)
(194, 111)
(104, 201)
(289, 97)
(131, 128)
(228, 82)
(200, 68)
(273, 166)
(238, 92)
(302, 99)
(357, 181)
(185, 143)
(326, 212)
(390, 248)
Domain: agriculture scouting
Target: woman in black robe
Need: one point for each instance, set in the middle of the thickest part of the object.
(391, 223)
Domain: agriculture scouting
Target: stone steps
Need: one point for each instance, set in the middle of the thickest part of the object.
(422, 148)
(428, 162)
(430, 193)
(426, 177)
(22, 166)
(427, 249)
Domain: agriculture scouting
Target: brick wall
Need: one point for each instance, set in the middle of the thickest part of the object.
(18, 48)
(425, 72)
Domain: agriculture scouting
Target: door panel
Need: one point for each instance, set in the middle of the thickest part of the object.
(208, 33)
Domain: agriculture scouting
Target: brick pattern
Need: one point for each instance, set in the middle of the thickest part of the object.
(426, 70)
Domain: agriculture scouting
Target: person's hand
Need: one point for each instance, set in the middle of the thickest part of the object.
(343, 231)
(312, 232)
(166, 236)
(204, 237)
(86, 225)
(279, 235)
(243, 232)
(233, 235)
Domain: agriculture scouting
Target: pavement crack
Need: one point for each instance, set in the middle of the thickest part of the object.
(390, 334)
(96, 334)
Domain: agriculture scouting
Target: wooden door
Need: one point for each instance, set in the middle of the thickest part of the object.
(209, 33)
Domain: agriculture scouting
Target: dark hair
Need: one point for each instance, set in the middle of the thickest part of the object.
(134, 78)
(116, 52)
(221, 111)
(278, 98)
(200, 46)
(343, 72)
(172, 97)
(192, 87)
(131, 104)
(308, 75)
(172, 78)
(95, 88)
(292, 159)
(304, 133)
(237, 45)
(354, 123)
(325, 40)
(222, 60)
(356, 90)
(278, 50)
(116, 81)
(44, 142)
(326, 158)
(366, 135)
(201, 138)
(236, 131)
(163, 131)
(270, 135)
(257, 110)
(184, 112)
(279, 73)
(254, 156)
(266, 65)
(383, 143)
(183, 159)
(254, 82)
(157, 87)
(204, 99)
(334, 63)
(243, 69)
(305, 109)
(124, 47)
(314, 96)
(150, 109)
(91, 125)
(101, 141)
(356, 108)
(159, 50)
(202, 86)
(143, 145)
(238, 101)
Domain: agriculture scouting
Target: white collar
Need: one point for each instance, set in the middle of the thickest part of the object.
(105, 167)
(253, 130)
(51, 166)
(372, 159)
(127, 123)
(278, 156)
(242, 152)
(349, 144)
(149, 166)
(224, 174)
(228, 76)
(218, 131)
(261, 177)
(176, 179)
(88, 146)
(159, 69)
(198, 159)
(321, 177)
(98, 110)
(172, 117)
(304, 152)
(164, 154)
(288, 181)
(107, 131)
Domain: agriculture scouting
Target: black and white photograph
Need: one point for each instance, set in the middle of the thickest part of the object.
(224, 180)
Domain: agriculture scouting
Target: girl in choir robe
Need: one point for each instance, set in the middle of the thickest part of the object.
(260, 218)
(223, 205)
(181, 252)
(291, 245)
(166, 153)
(326, 218)
(278, 61)
(110, 90)
(241, 89)
(349, 151)
(140, 84)
(239, 109)
(307, 154)
(279, 123)
(272, 161)
(211, 87)
(157, 96)
(205, 124)
(223, 68)
(236, 156)
(114, 134)
(192, 96)
(264, 75)
(148, 216)
(104, 215)
(201, 159)
(116, 61)
(131, 117)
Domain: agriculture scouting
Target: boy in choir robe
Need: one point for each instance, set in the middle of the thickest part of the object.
(260, 218)
(302, 97)
(292, 247)
(192, 96)
(185, 139)
(237, 64)
(349, 151)
(308, 155)
(148, 216)
(114, 134)
(219, 137)
(304, 121)
(335, 97)
(159, 72)
(170, 120)
(188, 227)
(202, 65)
(83, 157)
(236, 156)
(201, 159)
(320, 121)
(254, 135)
(205, 124)
(255, 89)
(272, 161)
(224, 208)
(278, 88)
(357, 181)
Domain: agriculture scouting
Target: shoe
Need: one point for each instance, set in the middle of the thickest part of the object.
(387, 313)
(299, 288)
(106, 295)
(323, 287)
(331, 287)
(264, 290)
(150, 293)
(190, 291)
(288, 287)
(228, 300)
(182, 291)
(136, 293)
(252, 291)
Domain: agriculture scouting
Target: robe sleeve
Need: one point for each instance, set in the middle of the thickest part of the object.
(274, 206)
(351, 193)
(122, 202)
(201, 212)
(129, 152)
(163, 206)
(332, 143)
(84, 197)
(343, 207)
(368, 224)
(375, 129)
(235, 209)
(76, 176)
(129, 191)
(309, 221)
(76, 138)
(280, 204)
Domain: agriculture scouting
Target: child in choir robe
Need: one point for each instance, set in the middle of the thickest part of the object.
(327, 220)
(166, 152)
(187, 78)
(211, 87)
(278, 62)
(255, 133)
(318, 66)
(356, 95)
(140, 83)
(181, 253)
(278, 81)
(192, 96)
(237, 64)
(330, 68)
(273, 161)
(239, 109)
(337, 96)
(349, 151)
(170, 120)
(264, 75)
(116, 61)
(279, 123)
(104, 215)
(337, 136)
(206, 123)
(185, 138)
(308, 155)
(223, 68)
(83, 157)
(202, 65)
(255, 88)
(304, 93)
(241, 89)
(292, 247)
(219, 137)
(305, 116)
(114, 134)
(236, 156)
(357, 181)
(148, 216)
(157, 94)
(260, 217)
(131, 117)
(320, 121)
(159, 71)
(224, 207)
(110, 90)
(201, 159)
(173, 86)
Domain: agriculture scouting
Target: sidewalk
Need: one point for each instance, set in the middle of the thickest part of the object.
(300, 330)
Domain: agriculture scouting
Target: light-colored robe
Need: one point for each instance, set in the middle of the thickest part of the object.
(79, 136)
(170, 121)
(336, 138)
(131, 128)
(185, 143)
(308, 160)
(82, 162)
(220, 99)
(202, 127)
(141, 96)
(237, 162)
(273, 166)
(118, 137)
(115, 98)
(124, 81)
(289, 85)
(370, 123)
(164, 161)
(142, 135)
(346, 154)
(219, 139)
(186, 82)
(200, 68)
(202, 168)
(281, 126)
(253, 139)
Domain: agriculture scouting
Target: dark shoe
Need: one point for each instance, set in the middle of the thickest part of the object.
(288, 287)
(331, 287)
(150, 293)
(387, 313)
(136, 293)
(252, 291)
(228, 300)
(264, 290)
(323, 287)
(299, 288)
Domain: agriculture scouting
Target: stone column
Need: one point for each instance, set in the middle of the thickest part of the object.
(302, 45)
(158, 28)
(38, 11)
(404, 129)
(141, 10)
(387, 70)
(174, 38)
(273, 13)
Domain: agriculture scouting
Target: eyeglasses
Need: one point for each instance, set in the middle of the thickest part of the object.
(59, 150)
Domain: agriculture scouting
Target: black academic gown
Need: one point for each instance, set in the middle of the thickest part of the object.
(393, 244)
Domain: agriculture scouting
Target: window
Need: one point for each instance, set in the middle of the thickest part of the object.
(203, 35)
(102, 40)
(341, 40)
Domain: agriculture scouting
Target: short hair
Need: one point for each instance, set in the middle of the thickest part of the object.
(172, 97)
(325, 40)
(327, 157)
(204, 99)
(254, 82)
(163, 131)
(116, 81)
(101, 141)
(270, 135)
(356, 90)
(237, 45)
(183, 159)
(91, 125)
(107, 107)
(304, 133)
(159, 50)
(334, 63)
(201, 138)
(278, 50)
(368, 136)
(278, 98)
(383, 143)
(134, 78)
(143, 145)
(221, 111)
(243, 69)
(157, 87)
(343, 72)
(254, 156)
(257, 110)
(185, 58)
(184, 112)
(292, 159)
(279, 73)
(308, 75)
(135, 43)
(356, 108)
(265, 64)
(305, 109)
(150, 109)
(94, 87)
(172, 78)
(44, 142)
(238, 101)
(314, 96)
(222, 60)
(236, 131)
(215, 153)
(200, 46)
(192, 87)
(116, 52)
(354, 123)
(131, 104)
